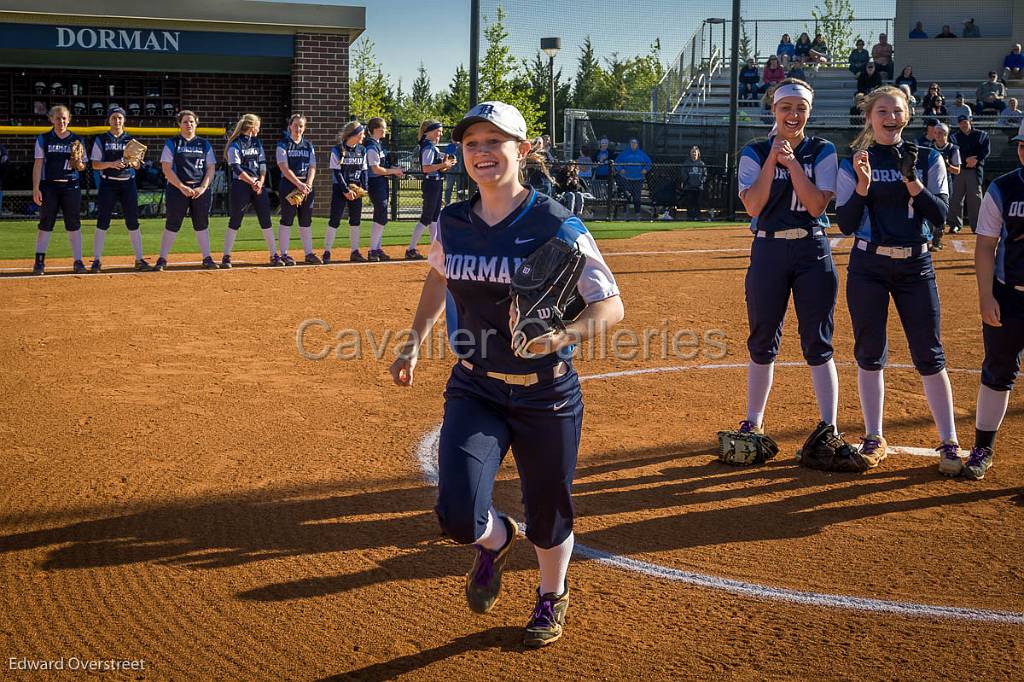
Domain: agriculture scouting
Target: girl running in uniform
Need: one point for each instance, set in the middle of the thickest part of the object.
(496, 400)
(888, 194)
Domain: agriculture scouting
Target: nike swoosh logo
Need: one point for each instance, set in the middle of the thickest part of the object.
(523, 241)
(824, 257)
(560, 405)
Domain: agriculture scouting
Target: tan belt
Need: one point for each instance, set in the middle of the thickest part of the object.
(898, 252)
(561, 369)
(792, 233)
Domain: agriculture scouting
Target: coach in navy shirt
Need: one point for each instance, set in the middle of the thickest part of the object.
(974, 150)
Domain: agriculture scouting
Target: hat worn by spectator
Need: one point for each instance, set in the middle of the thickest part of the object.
(504, 117)
(942, 126)
(963, 117)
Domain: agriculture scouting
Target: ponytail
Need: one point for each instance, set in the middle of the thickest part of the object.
(245, 123)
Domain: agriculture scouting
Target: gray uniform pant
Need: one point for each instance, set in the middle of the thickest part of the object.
(966, 189)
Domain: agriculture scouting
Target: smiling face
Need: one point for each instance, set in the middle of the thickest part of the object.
(791, 116)
(116, 123)
(60, 120)
(492, 156)
(940, 136)
(435, 135)
(965, 126)
(357, 138)
(296, 128)
(888, 119)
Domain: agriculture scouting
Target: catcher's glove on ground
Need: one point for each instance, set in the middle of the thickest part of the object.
(544, 294)
(742, 448)
(826, 450)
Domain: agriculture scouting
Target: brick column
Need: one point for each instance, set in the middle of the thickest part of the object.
(320, 91)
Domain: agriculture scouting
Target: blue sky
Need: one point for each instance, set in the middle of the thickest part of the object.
(407, 32)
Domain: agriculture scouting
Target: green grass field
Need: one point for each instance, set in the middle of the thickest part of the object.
(17, 237)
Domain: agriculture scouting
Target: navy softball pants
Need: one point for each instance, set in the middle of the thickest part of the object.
(432, 189)
(378, 189)
(1004, 346)
(871, 280)
(338, 205)
(805, 268)
(178, 206)
(288, 212)
(483, 418)
(65, 197)
(112, 191)
(241, 196)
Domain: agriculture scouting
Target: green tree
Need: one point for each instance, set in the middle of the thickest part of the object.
(746, 50)
(642, 75)
(419, 104)
(834, 19)
(369, 89)
(455, 101)
(586, 91)
(538, 80)
(500, 75)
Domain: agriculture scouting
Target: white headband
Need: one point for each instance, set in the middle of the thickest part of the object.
(792, 90)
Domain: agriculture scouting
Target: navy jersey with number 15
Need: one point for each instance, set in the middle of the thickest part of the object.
(189, 159)
(783, 209)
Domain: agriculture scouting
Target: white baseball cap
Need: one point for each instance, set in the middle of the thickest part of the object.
(503, 116)
(1019, 137)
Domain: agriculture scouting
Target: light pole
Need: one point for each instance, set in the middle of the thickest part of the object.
(551, 46)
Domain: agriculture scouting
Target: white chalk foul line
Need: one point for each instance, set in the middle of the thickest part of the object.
(426, 454)
(958, 246)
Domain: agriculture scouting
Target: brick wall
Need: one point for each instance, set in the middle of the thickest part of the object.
(320, 91)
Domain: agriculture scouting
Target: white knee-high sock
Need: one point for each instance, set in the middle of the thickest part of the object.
(167, 241)
(940, 399)
(871, 386)
(136, 237)
(759, 385)
(376, 236)
(417, 232)
(42, 241)
(269, 238)
(329, 238)
(554, 564)
(495, 535)
(433, 231)
(75, 238)
(991, 408)
(826, 390)
(229, 240)
(98, 237)
(284, 236)
(306, 235)
(353, 237)
(203, 238)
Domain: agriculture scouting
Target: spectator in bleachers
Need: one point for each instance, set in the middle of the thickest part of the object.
(957, 109)
(858, 58)
(750, 79)
(585, 165)
(918, 31)
(946, 33)
(869, 79)
(802, 47)
(974, 150)
(911, 100)
(570, 187)
(602, 169)
(773, 73)
(856, 113)
(786, 51)
(632, 165)
(934, 92)
(936, 108)
(991, 95)
(926, 138)
(3, 171)
(971, 29)
(819, 50)
(767, 115)
(951, 155)
(906, 77)
(695, 174)
(1012, 115)
(1013, 63)
(797, 71)
(881, 53)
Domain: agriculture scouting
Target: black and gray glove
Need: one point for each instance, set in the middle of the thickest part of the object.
(907, 158)
(544, 294)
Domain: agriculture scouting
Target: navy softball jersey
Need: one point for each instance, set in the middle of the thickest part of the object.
(484, 416)
(348, 165)
(783, 209)
(107, 147)
(189, 159)
(430, 155)
(299, 156)
(56, 155)
(1002, 216)
(891, 218)
(245, 154)
(378, 185)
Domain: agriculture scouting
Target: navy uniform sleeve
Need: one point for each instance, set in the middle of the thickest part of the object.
(932, 203)
(849, 204)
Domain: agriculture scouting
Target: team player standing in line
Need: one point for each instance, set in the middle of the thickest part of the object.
(248, 163)
(55, 187)
(379, 186)
(887, 196)
(188, 164)
(786, 183)
(999, 264)
(117, 184)
(433, 163)
(348, 168)
(296, 159)
(494, 399)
